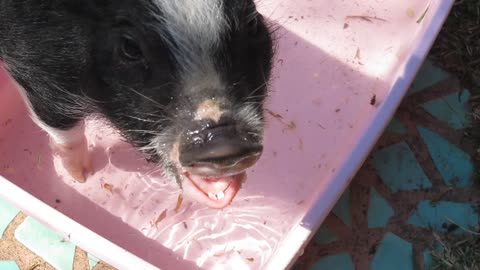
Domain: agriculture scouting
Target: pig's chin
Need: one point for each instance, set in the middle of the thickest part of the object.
(216, 191)
(215, 184)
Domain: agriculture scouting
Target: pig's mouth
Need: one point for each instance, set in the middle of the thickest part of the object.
(213, 192)
(211, 161)
(215, 185)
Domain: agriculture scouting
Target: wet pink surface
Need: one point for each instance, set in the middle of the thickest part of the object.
(327, 71)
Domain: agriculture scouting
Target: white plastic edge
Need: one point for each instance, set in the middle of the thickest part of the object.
(71, 230)
(292, 247)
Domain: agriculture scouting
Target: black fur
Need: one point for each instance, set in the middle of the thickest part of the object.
(113, 57)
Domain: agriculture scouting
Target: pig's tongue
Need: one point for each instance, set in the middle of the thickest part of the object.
(215, 192)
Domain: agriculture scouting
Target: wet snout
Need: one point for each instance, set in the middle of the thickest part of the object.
(215, 148)
(218, 148)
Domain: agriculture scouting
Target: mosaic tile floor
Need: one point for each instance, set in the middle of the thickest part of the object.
(418, 178)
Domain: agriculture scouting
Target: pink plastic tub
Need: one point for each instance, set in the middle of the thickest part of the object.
(342, 69)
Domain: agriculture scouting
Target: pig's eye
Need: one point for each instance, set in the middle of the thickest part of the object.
(130, 50)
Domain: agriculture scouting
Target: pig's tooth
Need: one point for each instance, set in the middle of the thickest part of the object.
(220, 195)
(212, 196)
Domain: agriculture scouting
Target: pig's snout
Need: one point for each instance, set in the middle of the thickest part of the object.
(212, 149)
(214, 156)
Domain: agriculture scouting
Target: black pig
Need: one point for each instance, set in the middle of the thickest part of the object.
(184, 81)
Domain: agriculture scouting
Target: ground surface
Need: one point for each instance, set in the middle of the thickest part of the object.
(419, 180)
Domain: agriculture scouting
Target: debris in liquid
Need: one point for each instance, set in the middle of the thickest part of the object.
(317, 101)
(275, 115)
(108, 187)
(300, 144)
(7, 122)
(8, 169)
(423, 15)
(410, 12)
(179, 203)
(373, 100)
(291, 125)
(162, 216)
(357, 54)
(219, 254)
(38, 163)
(365, 18)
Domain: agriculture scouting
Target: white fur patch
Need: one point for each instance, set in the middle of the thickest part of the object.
(195, 26)
(60, 137)
(249, 115)
(65, 137)
(209, 109)
(205, 78)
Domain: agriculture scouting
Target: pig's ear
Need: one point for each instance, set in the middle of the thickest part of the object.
(85, 8)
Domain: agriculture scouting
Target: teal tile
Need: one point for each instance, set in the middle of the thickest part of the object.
(398, 168)
(452, 109)
(427, 259)
(427, 76)
(8, 265)
(46, 243)
(427, 254)
(324, 235)
(437, 215)
(92, 261)
(379, 210)
(342, 261)
(342, 208)
(395, 126)
(455, 166)
(7, 214)
(393, 253)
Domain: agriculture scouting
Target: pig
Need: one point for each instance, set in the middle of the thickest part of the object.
(183, 81)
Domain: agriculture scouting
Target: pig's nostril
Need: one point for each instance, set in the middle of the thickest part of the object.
(221, 152)
(220, 148)
(197, 140)
(212, 170)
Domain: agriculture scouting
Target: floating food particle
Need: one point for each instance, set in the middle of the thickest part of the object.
(162, 216)
(179, 203)
(108, 187)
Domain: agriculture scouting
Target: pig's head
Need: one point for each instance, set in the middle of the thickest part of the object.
(185, 82)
